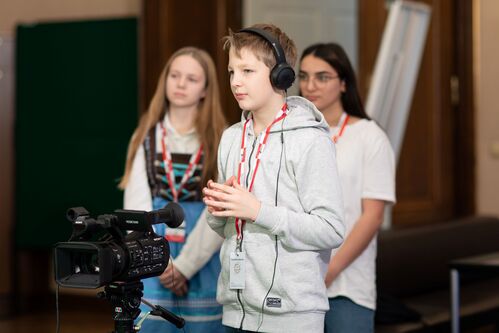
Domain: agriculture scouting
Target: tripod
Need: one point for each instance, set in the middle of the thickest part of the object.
(125, 297)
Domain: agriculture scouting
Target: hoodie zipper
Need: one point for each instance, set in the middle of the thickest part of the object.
(241, 245)
(249, 162)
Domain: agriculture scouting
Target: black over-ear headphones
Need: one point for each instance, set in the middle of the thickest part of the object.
(282, 75)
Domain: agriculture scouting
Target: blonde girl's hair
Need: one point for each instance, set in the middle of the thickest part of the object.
(210, 121)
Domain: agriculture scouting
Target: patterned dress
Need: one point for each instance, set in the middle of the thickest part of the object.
(199, 307)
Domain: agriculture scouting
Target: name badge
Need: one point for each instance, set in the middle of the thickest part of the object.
(237, 270)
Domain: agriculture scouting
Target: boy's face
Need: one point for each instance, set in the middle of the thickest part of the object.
(249, 80)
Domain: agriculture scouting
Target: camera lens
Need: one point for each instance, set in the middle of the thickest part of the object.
(86, 263)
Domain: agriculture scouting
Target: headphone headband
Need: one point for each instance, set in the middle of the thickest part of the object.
(276, 46)
(282, 75)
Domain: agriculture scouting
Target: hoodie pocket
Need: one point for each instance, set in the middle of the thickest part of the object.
(263, 286)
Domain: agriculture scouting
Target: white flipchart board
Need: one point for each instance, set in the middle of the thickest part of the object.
(396, 70)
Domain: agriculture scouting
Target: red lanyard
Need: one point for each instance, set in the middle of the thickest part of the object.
(168, 165)
(341, 124)
(261, 147)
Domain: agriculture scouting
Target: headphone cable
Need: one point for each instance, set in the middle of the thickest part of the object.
(275, 236)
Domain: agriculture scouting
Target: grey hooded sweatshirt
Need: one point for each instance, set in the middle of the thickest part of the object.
(288, 246)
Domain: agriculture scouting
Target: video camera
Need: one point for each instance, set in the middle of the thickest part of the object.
(101, 250)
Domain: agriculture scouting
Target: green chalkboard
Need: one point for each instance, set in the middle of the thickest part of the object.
(76, 108)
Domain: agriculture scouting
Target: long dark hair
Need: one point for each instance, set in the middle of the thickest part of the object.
(336, 57)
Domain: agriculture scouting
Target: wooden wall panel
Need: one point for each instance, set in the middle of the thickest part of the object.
(167, 25)
(464, 194)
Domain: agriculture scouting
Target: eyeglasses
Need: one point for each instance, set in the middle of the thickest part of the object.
(320, 79)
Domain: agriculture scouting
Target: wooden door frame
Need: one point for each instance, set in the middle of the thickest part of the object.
(465, 187)
(463, 141)
(157, 23)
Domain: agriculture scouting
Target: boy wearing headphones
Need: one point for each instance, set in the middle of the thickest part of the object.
(277, 202)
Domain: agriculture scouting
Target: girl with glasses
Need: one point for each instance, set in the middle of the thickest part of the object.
(366, 168)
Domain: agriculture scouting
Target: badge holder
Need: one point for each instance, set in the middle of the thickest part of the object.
(237, 270)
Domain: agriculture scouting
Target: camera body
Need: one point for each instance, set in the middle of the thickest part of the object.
(114, 247)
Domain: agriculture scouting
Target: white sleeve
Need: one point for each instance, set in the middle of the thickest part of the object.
(200, 246)
(137, 192)
(379, 167)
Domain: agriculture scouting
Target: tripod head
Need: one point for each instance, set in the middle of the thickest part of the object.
(125, 297)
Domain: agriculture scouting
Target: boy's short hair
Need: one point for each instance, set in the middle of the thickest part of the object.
(260, 47)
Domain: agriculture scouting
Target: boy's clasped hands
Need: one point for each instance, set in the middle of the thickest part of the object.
(230, 200)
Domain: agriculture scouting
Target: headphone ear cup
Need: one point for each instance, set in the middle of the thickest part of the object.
(282, 76)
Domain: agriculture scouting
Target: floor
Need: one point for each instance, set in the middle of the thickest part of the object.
(76, 315)
(71, 322)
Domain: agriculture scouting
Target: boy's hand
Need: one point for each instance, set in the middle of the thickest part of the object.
(209, 186)
(231, 200)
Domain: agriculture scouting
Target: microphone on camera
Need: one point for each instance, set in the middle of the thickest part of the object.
(172, 215)
(138, 220)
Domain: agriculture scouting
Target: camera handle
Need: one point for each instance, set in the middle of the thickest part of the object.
(157, 310)
(125, 297)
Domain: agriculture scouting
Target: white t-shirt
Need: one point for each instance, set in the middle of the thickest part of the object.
(366, 166)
